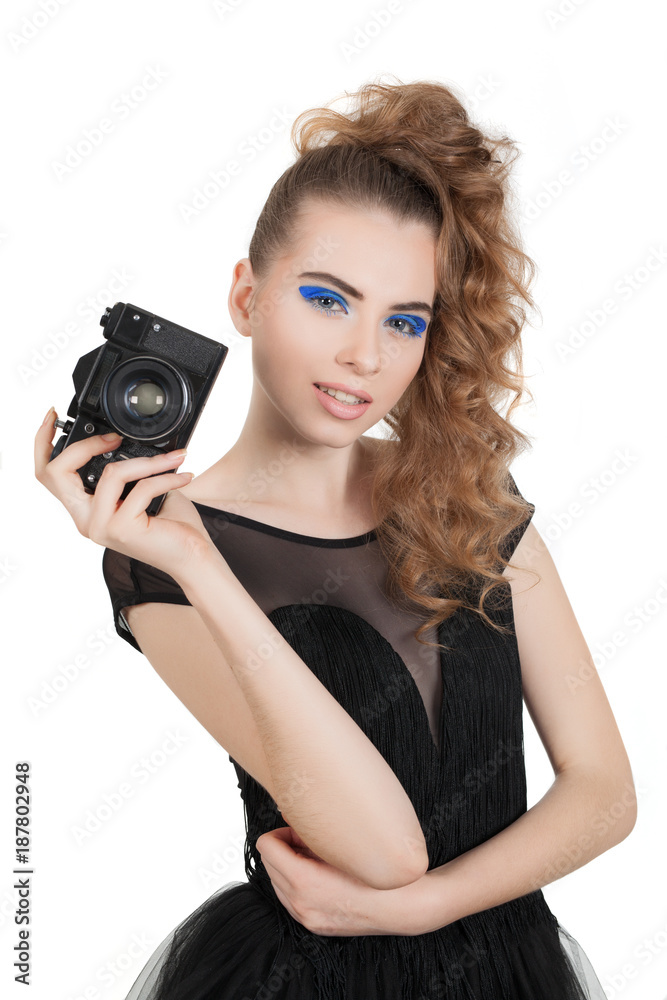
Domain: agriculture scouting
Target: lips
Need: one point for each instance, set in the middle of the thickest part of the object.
(346, 388)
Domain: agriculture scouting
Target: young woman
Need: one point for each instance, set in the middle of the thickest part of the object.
(340, 611)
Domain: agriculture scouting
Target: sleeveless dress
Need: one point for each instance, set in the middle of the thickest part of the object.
(448, 723)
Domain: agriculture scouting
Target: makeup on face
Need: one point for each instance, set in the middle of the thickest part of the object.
(413, 325)
(348, 411)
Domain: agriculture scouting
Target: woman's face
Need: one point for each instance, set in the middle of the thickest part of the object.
(350, 306)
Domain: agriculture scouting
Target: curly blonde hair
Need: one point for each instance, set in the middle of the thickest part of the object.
(443, 498)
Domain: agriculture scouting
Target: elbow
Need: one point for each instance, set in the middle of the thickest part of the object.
(630, 818)
(631, 825)
(613, 800)
(400, 878)
(409, 863)
(616, 813)
(379, 864)
(395, 874)
(387, 869)
(623, 809)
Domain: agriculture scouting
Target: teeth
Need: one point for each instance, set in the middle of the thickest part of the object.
(344, 397)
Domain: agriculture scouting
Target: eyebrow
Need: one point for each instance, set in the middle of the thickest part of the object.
(349, 290)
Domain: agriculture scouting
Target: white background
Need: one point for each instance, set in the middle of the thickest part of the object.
(552, 81)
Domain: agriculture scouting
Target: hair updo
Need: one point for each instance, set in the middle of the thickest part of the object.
(443, 497)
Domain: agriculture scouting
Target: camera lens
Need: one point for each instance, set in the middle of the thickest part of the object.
(146, 398)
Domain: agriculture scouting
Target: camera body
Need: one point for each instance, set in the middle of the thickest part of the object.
(149, 383)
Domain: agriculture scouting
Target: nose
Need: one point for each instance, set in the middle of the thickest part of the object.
(362, 348)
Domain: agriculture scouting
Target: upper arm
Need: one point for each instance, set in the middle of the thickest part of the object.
(181, 649)
(561, 686)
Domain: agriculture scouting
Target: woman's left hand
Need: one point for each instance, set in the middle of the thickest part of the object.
(321, 897)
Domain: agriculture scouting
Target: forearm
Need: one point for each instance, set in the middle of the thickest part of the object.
(331, 784)
(579, 818)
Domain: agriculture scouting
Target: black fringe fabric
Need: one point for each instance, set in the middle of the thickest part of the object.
(242, 944)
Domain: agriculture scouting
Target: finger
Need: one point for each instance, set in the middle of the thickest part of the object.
(281, 837)
(116, 475)
(150, 484)
(75, 455)
(68, 488)
(43, 438)
(61, 471)
(60, 476)
(280, 853)
(129, 469)
(278, 879)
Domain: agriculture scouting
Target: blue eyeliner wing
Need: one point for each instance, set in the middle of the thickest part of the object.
(314, 292)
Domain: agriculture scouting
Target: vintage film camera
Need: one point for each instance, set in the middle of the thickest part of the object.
(149, 383)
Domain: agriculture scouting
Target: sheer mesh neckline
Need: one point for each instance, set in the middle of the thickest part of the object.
(272, 529)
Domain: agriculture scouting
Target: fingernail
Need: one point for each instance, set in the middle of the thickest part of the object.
(50, 411)
(110, 437)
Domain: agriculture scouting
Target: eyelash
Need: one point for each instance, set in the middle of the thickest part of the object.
(312, 294)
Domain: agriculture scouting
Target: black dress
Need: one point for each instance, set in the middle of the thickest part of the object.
(448, 723)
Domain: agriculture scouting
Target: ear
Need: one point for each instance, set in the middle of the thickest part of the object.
(240, 293)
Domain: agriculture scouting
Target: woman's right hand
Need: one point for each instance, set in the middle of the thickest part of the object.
(169, 541)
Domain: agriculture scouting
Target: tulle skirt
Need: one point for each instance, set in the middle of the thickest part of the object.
(242, 944)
